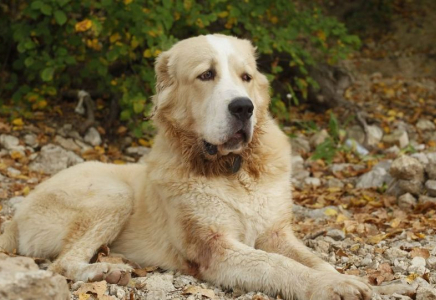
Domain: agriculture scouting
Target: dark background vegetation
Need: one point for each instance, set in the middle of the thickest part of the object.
(49, 48)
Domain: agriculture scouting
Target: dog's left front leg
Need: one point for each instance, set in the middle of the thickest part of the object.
(225, 261)
(281, 239)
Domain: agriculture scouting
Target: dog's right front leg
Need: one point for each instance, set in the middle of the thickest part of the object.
(230, 263)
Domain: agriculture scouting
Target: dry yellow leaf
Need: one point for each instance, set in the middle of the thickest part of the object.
(119, 162)
(83, 25)
(330, 212)
(18, 122)
(395, 222)
(26, 191)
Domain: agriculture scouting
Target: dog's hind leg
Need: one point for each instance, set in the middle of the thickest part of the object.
(96, 225)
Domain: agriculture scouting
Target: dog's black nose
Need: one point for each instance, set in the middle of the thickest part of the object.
(241, 108)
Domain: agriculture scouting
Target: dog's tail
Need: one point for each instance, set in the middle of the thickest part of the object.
(8, 240)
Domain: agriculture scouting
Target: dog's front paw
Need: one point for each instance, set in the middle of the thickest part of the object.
(112, 273)
(329, 286)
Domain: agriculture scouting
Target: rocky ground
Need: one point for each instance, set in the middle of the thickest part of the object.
(366, 205)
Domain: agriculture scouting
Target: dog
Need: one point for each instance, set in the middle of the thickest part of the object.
(213, 199)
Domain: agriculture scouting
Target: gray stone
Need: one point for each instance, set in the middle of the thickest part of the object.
(13, 172)
(407, 201)
(421, 157)
(93, 137)
(430, 185)
(426, 293)
(425, 199)
(425, 125)
(377, 177)
(300, 145)
(318, 138)
(67, 143)
(375, 135)
(53, 159)
(334, 168)
(336, 234)
(410, 186)
(312, 181)
(430, 169)
(21, 279)
(398, 137)
(393, 150)
(139, 150)
(31, 140)
(356, 133)
(431, 262)
(408, 168)
(335, 183)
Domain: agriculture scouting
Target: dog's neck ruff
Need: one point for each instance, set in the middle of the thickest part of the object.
(200, 162)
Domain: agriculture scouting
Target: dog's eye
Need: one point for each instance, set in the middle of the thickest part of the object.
(208, 75)
(246, 77)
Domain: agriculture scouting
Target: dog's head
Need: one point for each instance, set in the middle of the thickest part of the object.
(210, 86)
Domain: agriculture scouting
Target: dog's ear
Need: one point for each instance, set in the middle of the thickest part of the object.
(163, 78)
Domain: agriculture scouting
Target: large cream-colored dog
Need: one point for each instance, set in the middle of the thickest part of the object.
(213, 200)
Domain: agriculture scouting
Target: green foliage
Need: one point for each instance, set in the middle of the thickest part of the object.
(328, 149)
(109, 46)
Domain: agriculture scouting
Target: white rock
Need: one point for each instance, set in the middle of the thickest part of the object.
(408, 168)
(375, 134)
(31, 140)
(312, 181)
(426, 293)
(13, 172)
(417, 265)
(425, 125)
(21, 279)
(67, 143)
(53, 159)
(9, 142)
(398, 137)
(140, 150)
(430, 185)
(160, 282)
(93, 137)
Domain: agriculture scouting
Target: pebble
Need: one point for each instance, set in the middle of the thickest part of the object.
(407, 201)
(407, 168)
(426, 293)
(312, 181)
(336, 234)
(335, 183)
(430, 185)
(31, 140)
(93, 137)
(425, 125)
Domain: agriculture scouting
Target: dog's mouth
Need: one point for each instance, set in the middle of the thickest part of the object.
(234, 143)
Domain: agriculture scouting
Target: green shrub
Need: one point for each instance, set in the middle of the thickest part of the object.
(109, 46)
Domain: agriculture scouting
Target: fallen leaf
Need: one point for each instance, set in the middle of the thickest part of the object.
(193, 290)
(95, 288)
(420, 252)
